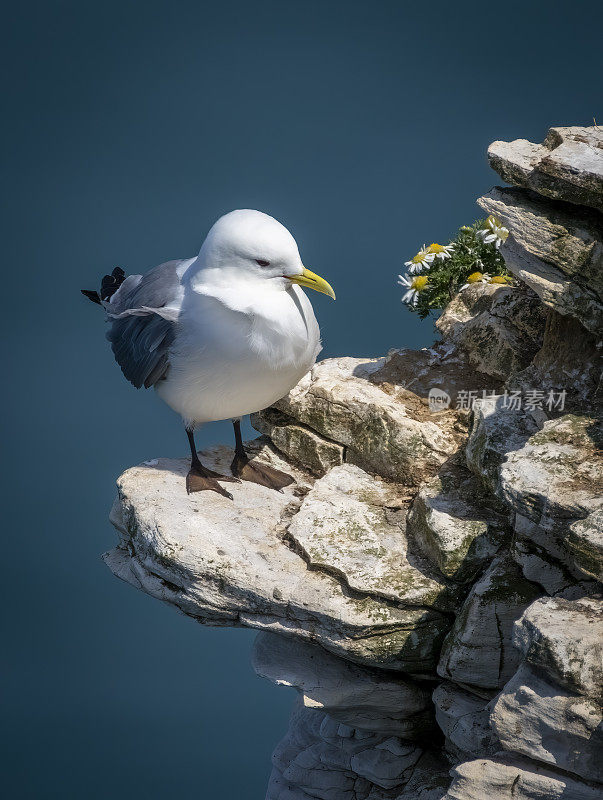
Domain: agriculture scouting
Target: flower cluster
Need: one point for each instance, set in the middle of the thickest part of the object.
(439, 271)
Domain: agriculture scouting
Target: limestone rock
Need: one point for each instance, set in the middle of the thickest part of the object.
(499, 327)
(455, 525)
(353, 526)
(584, 544)
(465, 721)
(554, 480)
(514, 779)
(303, 446)
(333, 762)
(568, 165)
(229, 563)
(539, 719)
(564, 640)
(568, 364)
(497, 428)
(383, 431)
(350, 694)
(429, 780)
(411, 375)
(538, 566)
(553, 287)
(553, 232)
(478, 651)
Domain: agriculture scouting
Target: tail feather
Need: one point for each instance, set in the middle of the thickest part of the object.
(109, 285)
(91, 294)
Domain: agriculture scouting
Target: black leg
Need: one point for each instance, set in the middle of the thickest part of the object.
(200, 478)
(195, 462)
(255, 471)
(239, 449)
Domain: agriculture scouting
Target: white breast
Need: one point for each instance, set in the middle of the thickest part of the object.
(226, 363)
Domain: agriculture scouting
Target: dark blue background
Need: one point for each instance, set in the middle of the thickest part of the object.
(128, 129)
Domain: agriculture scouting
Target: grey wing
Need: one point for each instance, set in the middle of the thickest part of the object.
(143, 315)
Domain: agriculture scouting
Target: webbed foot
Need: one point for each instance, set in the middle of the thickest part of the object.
(256, 472)
(200, 479)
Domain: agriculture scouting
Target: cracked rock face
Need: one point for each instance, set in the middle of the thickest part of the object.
(554, 480)
(585, 545)
(478, 651)
(324, 759)
(499, 327)
(354, 527)
(384, 432)
(497, 428)
(228, 563)
(514, 779)
(568, 165)
(569, 360)
(303, 446)
(455, 525)
(574, 661)
(465, 720)
(552, 232)
(557, 255)
(536, 718)
(554, 289)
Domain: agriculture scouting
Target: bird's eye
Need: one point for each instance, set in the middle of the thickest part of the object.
(262, 263)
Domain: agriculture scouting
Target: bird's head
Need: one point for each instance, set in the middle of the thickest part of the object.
(249, 247)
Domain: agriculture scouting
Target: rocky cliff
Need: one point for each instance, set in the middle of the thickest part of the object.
(431, 582)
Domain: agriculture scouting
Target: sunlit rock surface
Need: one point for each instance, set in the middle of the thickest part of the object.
(515, 779)
(551, 709)
(385, 430)
(431, 583)
(554, 480)
(567, 166)
(232, 563)
(498, 427)
(536, 718)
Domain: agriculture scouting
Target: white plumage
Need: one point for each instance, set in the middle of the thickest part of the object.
(221, 335)
(245, 335)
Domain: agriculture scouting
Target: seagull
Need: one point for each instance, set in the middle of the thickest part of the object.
(221, 335)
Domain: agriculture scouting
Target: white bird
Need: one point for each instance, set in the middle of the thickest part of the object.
(221, 335)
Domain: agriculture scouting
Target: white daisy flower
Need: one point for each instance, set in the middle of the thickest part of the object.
(414, 286)
(493, 231)
(440, 250)
(421, 261)
(476, 277)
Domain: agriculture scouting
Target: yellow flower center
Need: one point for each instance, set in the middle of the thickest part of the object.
(436, 248)
(475, 277)
(419, 283)
(499, 279)
(493, 222)
(419, 258)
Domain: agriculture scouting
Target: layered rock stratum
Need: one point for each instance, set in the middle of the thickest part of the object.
(431, 582)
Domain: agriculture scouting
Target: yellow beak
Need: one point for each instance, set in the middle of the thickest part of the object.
(312, 281)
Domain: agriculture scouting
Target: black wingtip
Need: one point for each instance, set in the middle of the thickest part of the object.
(111, 283)
(91, 294)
